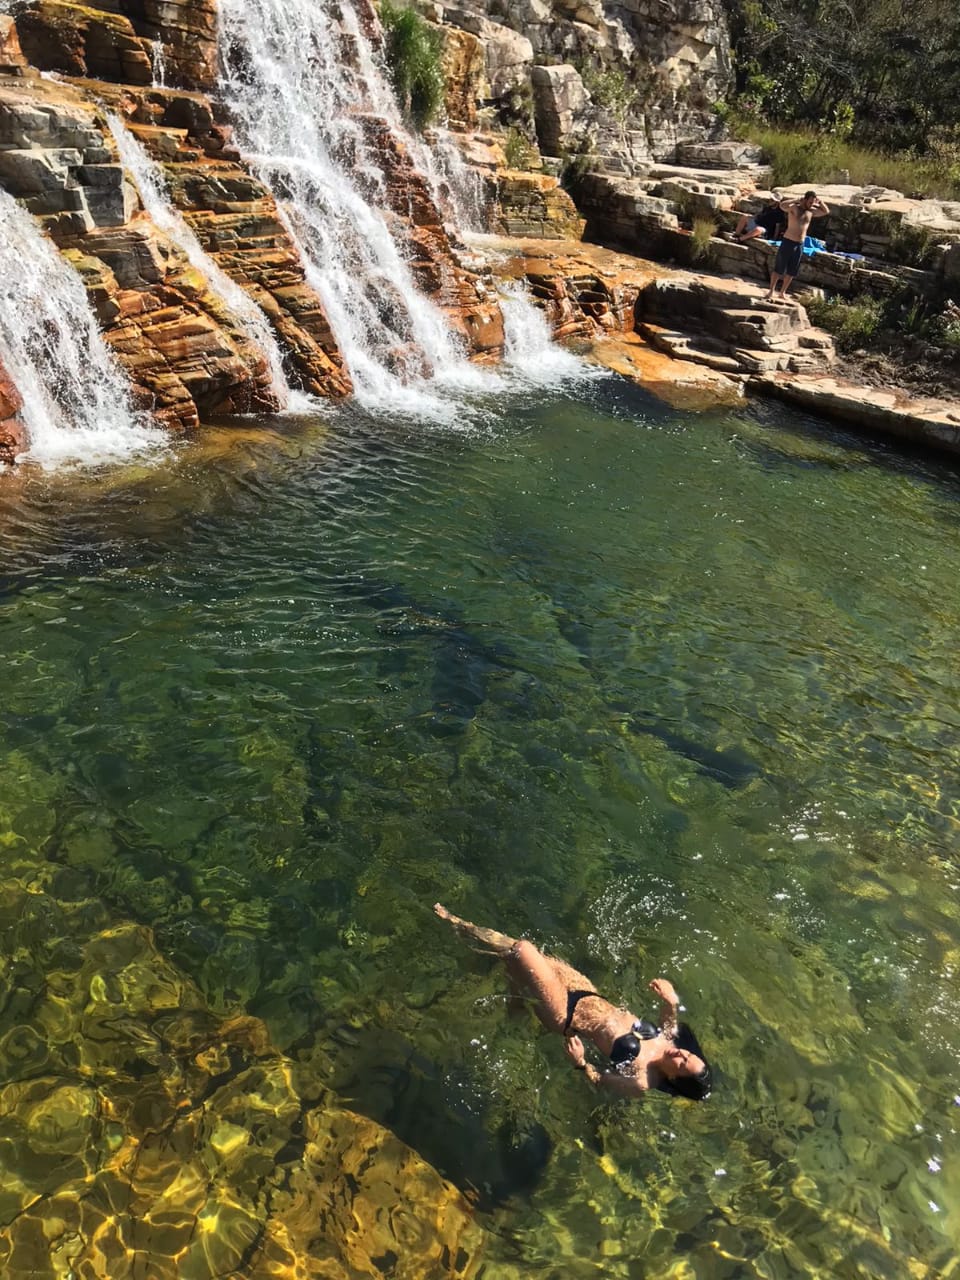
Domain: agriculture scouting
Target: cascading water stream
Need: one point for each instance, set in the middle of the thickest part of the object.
(152, 186)
(76, 400)
(295, 96)
(531, 357)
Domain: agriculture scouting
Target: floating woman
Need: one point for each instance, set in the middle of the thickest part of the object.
(641, 1055)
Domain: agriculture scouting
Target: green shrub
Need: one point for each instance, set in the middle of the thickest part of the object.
(576, 163)
(701, 237)
(611, 89)
(851, 323)
(412, 50)
(518, 150)
(911, 244)
(905, 313)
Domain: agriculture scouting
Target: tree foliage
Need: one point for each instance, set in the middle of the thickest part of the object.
(413, 50)
(886, 72)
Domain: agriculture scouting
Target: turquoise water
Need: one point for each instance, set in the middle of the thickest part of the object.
(669, 694)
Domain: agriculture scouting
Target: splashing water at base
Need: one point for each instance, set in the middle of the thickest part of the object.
(530, 353)
(76, 400)
(150, 180)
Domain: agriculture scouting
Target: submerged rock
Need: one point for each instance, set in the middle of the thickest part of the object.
(145, 1135)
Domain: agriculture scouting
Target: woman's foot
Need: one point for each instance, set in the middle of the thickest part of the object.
(489, 941)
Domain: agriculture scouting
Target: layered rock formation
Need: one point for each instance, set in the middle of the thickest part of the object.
(97, 41)
(12, 436)
(623, 82)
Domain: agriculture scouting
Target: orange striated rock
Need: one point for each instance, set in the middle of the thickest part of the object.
(81, 40)
(532, 204)
(464, 70)
(13, 440)
(460, 293)
(96, 40)
(180, 344)
(585, 290)
(12, 61)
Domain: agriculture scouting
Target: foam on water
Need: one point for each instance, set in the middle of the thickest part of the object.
(77, 404)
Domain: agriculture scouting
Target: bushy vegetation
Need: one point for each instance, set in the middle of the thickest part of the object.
(858, 322)
(803, 154)
(852, 323)
(518, 150)
(412, 49)
(611, 89)
(704, 229)
(870, 87)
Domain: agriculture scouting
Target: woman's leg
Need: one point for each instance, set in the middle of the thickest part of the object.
(537, 973)
(548, 981)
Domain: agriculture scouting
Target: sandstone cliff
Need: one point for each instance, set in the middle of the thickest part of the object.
(622, 82)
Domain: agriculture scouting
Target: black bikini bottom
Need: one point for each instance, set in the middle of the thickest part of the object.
(573, 999)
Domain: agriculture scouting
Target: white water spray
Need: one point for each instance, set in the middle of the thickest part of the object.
(158, 62)
(153, 192)
(530, 356)
(76, 400)
(296, 77)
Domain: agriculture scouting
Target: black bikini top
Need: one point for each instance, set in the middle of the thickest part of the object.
(626, 1047)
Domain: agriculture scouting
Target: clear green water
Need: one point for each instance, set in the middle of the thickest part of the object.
(670, 695)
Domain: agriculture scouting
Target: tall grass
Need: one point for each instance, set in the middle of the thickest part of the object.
(701, 238)
(803, 155)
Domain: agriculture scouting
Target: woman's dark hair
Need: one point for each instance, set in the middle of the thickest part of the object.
(694, 1087)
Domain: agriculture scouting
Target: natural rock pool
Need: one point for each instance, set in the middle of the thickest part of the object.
(670, 694)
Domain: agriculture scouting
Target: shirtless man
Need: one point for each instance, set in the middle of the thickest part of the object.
(800, 213)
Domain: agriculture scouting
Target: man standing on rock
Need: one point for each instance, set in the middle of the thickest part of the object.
(800, 213)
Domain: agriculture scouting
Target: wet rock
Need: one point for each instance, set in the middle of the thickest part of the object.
(12, 433)
(433, 262)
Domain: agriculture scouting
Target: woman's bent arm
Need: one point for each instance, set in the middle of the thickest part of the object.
(669, 1006)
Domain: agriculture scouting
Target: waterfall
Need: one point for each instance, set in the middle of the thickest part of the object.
(152, 186)
(531, 357)
(295, 76)
(454, 182)
(76, 400)
(158, 62)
